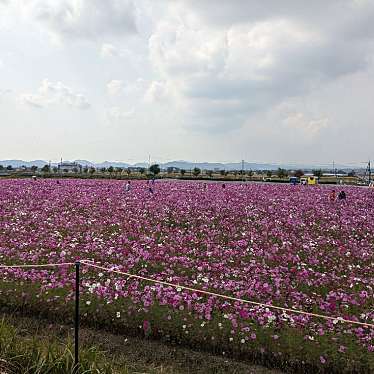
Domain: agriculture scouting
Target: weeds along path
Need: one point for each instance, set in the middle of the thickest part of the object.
(130, 354)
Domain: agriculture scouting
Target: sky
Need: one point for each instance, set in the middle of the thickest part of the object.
(198, 80)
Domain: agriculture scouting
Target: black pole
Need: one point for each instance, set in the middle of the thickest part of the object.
(76, 320)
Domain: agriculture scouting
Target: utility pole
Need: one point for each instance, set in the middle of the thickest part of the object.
(243, 170)
(369, 172)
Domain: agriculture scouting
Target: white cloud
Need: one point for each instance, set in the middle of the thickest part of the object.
(4, 93)
(311, 127)
(88, 19)
(224, 74)
(157, 91)
(51, 93)
(109, 50)
(116, 113)
(115, 87)
(214, 77)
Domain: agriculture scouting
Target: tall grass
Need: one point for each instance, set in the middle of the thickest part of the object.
(25, 355)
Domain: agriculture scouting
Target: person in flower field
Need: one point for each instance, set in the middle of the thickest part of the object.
(342, 195)
(333, 196)
(128, 186)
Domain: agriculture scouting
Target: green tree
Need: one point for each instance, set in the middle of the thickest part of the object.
(1, 167)
(155, 169)
(85, 169)
(75, 170)
(92, 170)
(9, 167)
(352, 173)
(222, 172)
(46, 169)
(281, 173)
(55, 169)
(182, 171)
(318, 173)
(103, 170)
(196, 171)
(110, 169)
(269, 173)
(299, 173)
(119, 170)
(142, 171)
(34, 168)
(250, 173)
(209, 173)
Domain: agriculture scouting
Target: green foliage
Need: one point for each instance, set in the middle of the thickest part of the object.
(46, 169)
(155, 169)
(318, 173)
(33, 356)
(299, 173)
(352, 173)
(281, 173)
(196, 171)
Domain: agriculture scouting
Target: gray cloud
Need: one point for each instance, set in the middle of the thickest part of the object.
(267, 79)
(261, 54)
(89, 19)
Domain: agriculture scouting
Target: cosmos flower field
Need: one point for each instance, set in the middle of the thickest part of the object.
(288, 246)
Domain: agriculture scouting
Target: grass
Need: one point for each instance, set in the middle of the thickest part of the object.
(153, 354)
(33, 356)
(31, 345)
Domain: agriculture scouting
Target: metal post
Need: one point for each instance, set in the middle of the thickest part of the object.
(76, 320)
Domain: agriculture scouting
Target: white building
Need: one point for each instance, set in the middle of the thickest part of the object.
(69, 167)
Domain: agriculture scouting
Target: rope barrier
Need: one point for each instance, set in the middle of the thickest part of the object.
(35, 265)
(338, 319)
(231, 298)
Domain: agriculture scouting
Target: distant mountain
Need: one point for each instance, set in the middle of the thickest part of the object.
(141, 165)
(85, 163)
(19, 163)
(181, 164)
(115, 164)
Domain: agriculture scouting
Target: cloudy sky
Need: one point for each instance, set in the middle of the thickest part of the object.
(200, 80)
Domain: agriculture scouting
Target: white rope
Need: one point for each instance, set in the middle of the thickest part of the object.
(35, 265)
(270, 306)
(337, 319)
